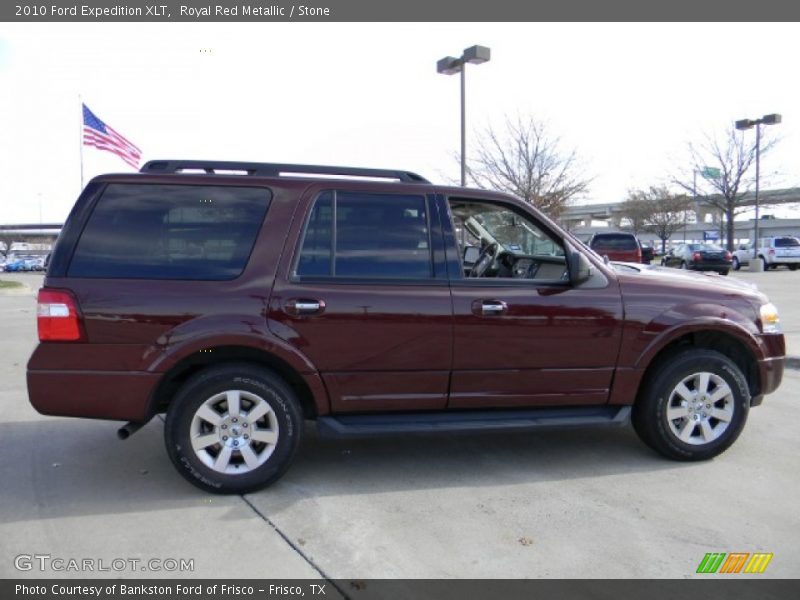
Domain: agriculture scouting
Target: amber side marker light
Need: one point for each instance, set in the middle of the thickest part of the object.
(57, 316)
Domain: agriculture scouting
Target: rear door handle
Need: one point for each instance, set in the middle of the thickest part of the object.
(304, 306)
(489, 308)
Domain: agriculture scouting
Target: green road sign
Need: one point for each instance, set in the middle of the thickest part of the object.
(710, 173)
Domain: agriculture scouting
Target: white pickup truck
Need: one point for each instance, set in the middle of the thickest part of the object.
(772, 251)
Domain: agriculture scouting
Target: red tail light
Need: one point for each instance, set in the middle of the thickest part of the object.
(772, 251)
(696, 257)
(728, 255)
(57, 316)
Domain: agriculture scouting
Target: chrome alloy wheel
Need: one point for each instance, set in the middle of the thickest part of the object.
(700, 408)
(234, 432)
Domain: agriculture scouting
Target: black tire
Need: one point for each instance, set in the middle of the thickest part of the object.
(736, 266)
(792, 267)
(724, 272)
(650, 410)
(284, 420)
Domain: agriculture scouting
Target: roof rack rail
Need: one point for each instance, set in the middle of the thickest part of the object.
(273, 169)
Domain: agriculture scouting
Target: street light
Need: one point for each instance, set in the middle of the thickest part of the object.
(450, 65)
(741, 125)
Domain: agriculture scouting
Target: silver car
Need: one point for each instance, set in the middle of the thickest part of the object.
(772, 251)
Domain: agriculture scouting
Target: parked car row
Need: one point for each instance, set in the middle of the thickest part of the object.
(773, 252)
(23, 263)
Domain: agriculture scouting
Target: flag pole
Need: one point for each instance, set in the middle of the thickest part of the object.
(80, 141)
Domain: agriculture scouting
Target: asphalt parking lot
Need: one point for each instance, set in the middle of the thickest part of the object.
(571, 504)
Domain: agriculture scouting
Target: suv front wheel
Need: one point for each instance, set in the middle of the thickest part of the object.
(694, 406)
(233, 428)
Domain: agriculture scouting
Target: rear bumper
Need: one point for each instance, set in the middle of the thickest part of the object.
(784, 260)
(121, 396)
(721, 266)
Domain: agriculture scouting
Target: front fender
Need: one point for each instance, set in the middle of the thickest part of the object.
(715, 325)
(628, 379)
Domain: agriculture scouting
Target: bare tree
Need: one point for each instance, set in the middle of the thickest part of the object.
(637, 209)
(732, 156)
(6, 239)
(656, 210)
(526, 161)
(669, 215)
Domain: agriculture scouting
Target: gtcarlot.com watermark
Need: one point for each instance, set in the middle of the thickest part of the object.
(59, 564)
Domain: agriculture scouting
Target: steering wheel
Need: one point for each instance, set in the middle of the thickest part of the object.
(484, 261)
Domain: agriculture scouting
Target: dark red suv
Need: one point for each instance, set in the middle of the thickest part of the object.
(617, 245)
(242, 299)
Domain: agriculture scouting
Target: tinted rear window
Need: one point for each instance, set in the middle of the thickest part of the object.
(614, 241)
(379, 236)
(786, 242)
(140, 231)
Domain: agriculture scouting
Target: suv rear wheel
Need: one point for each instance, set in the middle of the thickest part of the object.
(233, 428)
(694, 406)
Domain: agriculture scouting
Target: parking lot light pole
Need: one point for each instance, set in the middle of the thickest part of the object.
(450, 65)
(741, 125)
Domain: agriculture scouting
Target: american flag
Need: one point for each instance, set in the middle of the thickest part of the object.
(98, 134)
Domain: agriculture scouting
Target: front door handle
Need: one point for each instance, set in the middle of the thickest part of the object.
(489, 308)
(304, 306)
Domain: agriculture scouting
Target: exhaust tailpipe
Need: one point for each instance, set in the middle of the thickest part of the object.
(129, 429)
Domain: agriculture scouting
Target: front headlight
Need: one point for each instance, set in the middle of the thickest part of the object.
(770, 322)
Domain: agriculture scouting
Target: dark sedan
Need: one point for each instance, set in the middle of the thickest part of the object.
(648, 253)
(699, 257)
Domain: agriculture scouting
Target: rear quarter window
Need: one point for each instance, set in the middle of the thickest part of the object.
(143, 231)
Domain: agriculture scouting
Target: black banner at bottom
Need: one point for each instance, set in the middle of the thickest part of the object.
(712, 588)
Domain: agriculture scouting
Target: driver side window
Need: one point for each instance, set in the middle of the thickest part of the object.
(497, 241)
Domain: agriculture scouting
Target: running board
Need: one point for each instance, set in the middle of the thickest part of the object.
(471, 421)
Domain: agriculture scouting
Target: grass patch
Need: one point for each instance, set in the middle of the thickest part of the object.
(8, 285)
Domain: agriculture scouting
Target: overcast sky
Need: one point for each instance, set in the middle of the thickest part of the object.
(627, 97)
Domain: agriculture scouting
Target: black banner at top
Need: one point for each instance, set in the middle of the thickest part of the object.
(405, 10)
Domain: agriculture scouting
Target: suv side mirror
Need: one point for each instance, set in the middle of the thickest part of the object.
(579, 267)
